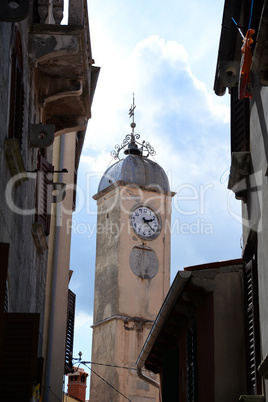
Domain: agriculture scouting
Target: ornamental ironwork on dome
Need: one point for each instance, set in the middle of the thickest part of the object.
(136, 167)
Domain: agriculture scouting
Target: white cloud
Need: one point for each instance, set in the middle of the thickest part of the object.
(170, 102)
(83, 321)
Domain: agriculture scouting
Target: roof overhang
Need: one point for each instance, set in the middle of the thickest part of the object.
(185, 294)
(229, 53)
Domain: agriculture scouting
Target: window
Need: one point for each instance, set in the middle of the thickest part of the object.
(6, 303)
(16, 111)
(191, 362)
(170, 375)
(252, 327)
(70, 332)
(239, 123)
(20, 351)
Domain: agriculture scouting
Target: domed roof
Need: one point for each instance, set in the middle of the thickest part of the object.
(136, 169)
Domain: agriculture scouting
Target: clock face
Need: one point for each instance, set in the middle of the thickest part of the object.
(145, 222)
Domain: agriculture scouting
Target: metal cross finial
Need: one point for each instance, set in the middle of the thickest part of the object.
(131, 114)
(130, 143)
(132, 108)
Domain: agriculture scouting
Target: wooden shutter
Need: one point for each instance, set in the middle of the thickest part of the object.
(70, 332)
(44, 192)
(191, 361)
(18, 372)
(16, 113)
(239, 123)
(252, 327)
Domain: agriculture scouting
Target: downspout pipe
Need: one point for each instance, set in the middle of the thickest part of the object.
(174, 292)
(53, 283)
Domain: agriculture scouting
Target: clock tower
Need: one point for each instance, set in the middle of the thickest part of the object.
(132, 274)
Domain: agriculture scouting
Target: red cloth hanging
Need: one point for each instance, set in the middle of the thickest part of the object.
(245, 90)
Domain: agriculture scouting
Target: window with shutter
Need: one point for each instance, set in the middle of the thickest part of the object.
(44, 192)
(19, 371)
(70, 332)
(191, 361)
(16, 111)
(252, 327)
(239, 123)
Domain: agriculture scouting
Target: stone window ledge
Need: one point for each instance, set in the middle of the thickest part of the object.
(15, 161)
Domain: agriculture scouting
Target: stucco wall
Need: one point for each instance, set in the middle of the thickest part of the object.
(59, 259)
(229, 336)
(256, 210)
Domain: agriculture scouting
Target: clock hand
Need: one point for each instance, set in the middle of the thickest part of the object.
(147, 222)
(150, 225)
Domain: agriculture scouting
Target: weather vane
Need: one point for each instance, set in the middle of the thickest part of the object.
(130, 143)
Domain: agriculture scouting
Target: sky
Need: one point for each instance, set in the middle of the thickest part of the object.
(165, 52)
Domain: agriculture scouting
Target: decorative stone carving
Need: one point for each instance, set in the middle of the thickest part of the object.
(58, 11)
(58, 52)
(43, 10)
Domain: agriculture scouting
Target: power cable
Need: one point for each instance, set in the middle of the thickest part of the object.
(110, 365)
(251, 12)
(106, 381)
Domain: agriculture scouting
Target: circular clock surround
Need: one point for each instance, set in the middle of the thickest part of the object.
(145, 221)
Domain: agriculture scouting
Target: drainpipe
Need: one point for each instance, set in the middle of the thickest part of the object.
(174, 292)
(53, 282)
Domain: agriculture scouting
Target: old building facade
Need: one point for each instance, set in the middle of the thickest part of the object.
(242, 70)
(47, 84)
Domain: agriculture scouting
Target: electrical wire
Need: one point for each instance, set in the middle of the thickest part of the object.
(239, 30)
(106, 365)
(106, 381)
(111, 365)
(251, 12)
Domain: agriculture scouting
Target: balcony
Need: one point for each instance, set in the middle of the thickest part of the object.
(63, 66)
